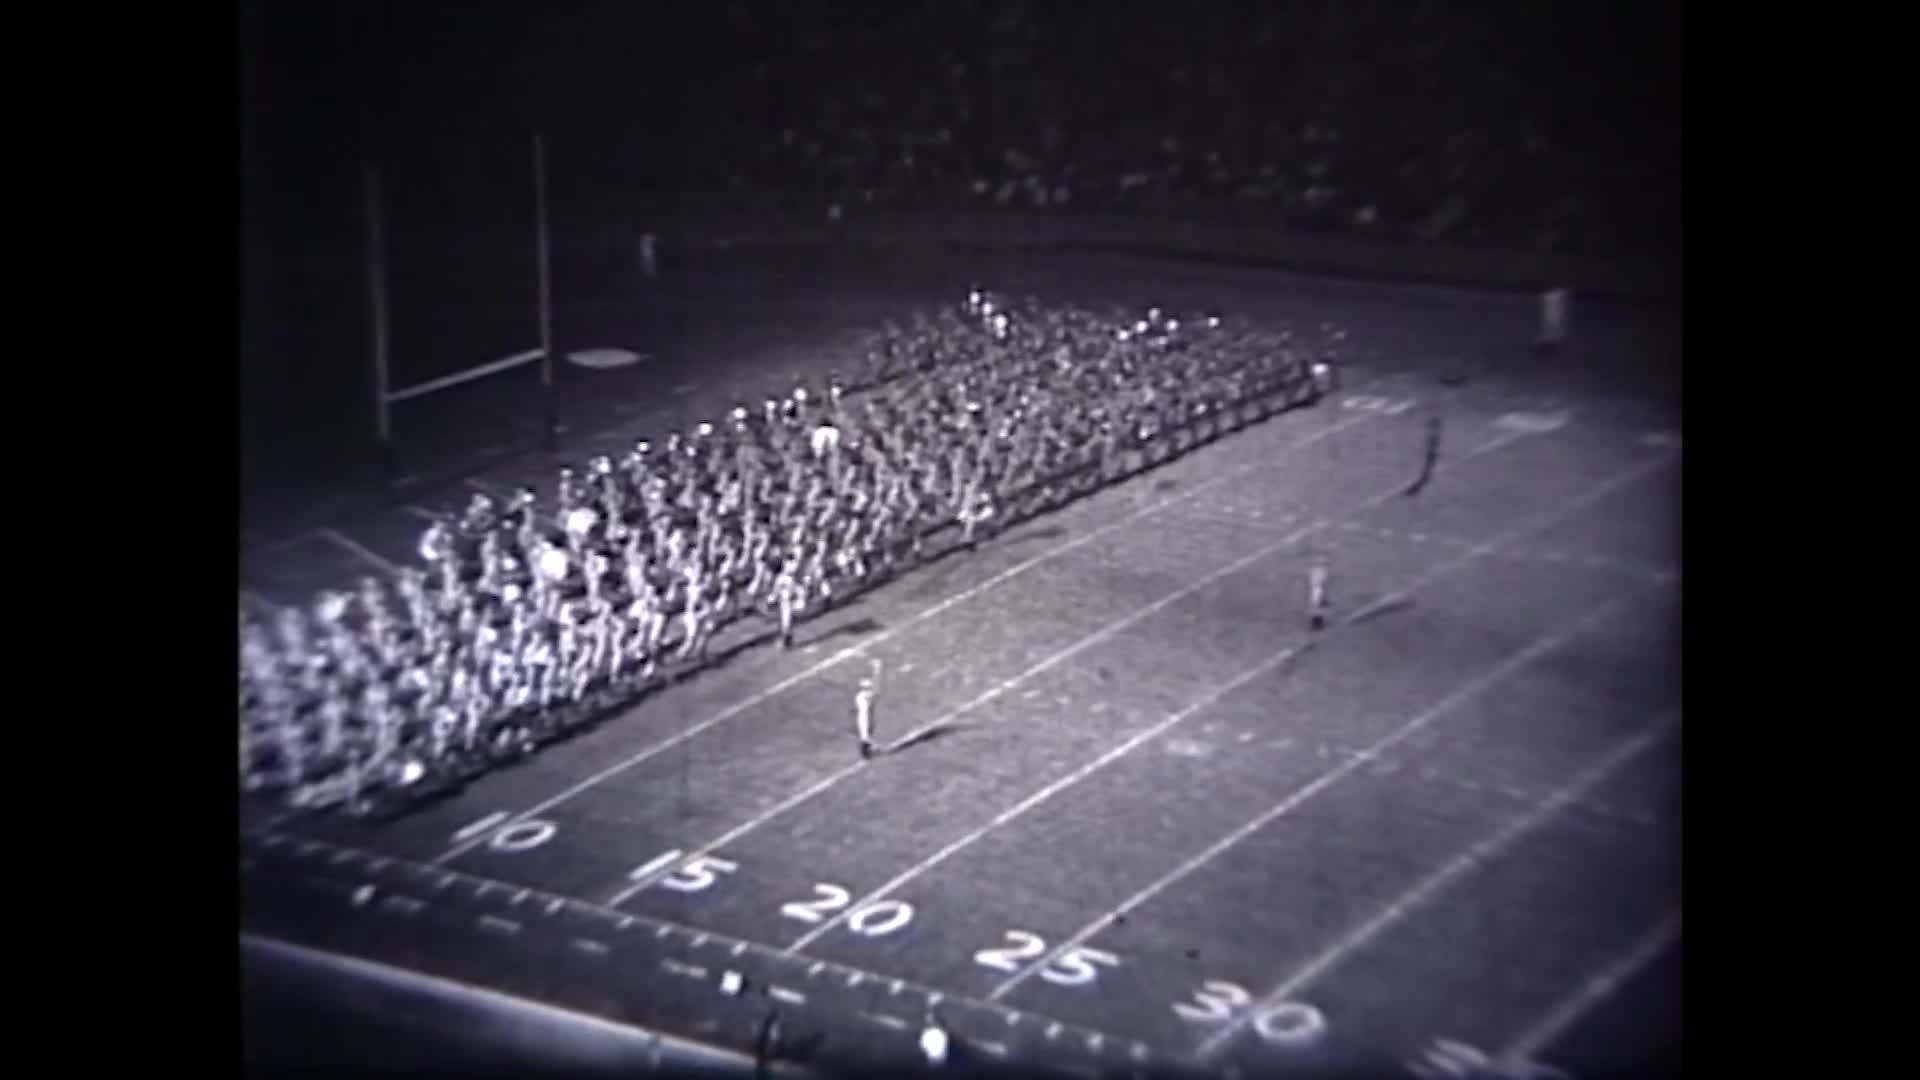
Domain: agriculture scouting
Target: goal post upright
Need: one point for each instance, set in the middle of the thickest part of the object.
(545, 272)
(380, 341)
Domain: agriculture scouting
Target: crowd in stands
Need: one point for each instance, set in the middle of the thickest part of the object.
(1405, 121)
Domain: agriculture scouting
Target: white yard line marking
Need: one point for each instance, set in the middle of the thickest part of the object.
(1480, 550)
(1601, 563)
(873, 640)
(1340, 771)
(1545, 1031)
(355, 547)
(1474, 856)
(286, 542)
(478, 827)
(421, 512)
(791, 997)
(1074, 650)
(1008, 685)
(499, 925)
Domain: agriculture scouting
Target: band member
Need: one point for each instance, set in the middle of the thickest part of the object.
(863, 710)
(1430, 457)
(1317, 602)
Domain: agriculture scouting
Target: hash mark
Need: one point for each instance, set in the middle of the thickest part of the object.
(1053, 1030)
(403, 905)
(499, 925)
(588, 945)
(554, 905)
(884, 1020)
(738, 948)
(791, 997)
(855, 979)
(814, 971)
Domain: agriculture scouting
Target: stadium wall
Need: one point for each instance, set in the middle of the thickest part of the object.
(1636, 279)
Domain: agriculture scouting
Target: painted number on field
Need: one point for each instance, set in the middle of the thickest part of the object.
(695, 875)
(522, 836)
(1288, 1023)
(1450, 1059)
(1025, 947)
(1373, 404)
(1077, 966)
(878, 919)
(1216, 1002)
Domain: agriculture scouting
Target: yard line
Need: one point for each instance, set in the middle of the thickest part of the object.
(1442, 570)
(357, 548)
(875, 639)
(285, 542)
(1548, 1029)
(1055, 660)
(1467, 860)
(1326, 780)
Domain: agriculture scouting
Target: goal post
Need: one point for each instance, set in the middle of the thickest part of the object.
(385, 394)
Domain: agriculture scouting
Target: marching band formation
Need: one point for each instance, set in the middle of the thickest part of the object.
(529, 619)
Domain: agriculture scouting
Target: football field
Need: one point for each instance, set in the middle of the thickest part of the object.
(1134, 809)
